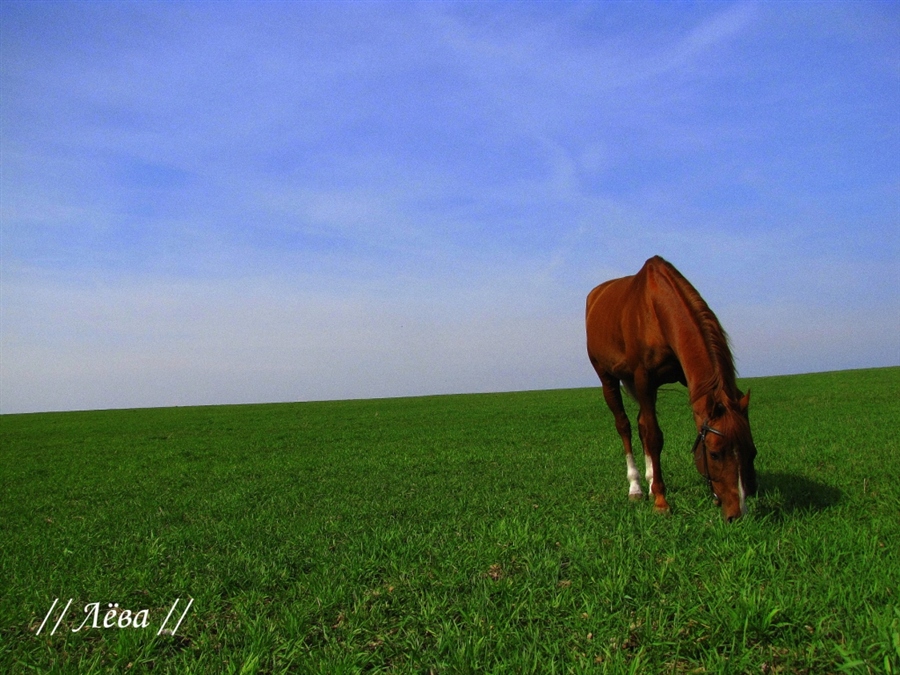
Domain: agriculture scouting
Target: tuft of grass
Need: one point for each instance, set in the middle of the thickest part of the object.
(453, 534)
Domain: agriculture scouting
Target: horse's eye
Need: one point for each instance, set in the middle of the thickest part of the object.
(715, 456)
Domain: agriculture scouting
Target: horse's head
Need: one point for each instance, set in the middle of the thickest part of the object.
(724, 453)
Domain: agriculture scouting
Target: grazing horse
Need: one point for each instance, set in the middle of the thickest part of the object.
(652, 329)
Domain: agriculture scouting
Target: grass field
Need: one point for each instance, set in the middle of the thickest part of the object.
(452, 534)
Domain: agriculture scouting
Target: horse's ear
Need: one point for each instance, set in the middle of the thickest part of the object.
(745, 402)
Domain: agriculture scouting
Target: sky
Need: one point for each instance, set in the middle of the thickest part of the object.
(238, 202)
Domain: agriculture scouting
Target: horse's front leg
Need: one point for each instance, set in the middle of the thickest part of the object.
(652, 439)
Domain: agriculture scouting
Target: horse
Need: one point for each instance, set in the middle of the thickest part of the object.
(651, 329)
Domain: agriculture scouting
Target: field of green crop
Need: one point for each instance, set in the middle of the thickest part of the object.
(452, 534)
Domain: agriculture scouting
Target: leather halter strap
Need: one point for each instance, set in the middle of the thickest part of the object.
(701, 438)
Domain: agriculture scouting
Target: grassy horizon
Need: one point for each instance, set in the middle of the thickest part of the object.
(446, 534)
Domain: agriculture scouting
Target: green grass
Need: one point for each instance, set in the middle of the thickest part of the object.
(453, 534)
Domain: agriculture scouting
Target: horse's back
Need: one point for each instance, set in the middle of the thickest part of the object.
(595, 299)
(616, 310)
(629, 323)
(626, 294)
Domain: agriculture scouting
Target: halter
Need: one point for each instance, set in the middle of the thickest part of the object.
(701, 438)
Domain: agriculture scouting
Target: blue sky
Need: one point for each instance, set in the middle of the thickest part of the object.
(237, 202)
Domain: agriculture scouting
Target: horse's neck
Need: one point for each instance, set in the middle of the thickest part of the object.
(704, 379)
(697, 341)
(700, 370)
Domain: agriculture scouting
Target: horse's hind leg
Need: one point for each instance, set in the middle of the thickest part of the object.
(652, 440)
(612, 392)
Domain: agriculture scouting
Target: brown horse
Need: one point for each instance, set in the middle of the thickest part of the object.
(651, 329)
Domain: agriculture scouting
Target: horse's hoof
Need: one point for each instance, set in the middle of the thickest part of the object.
(636, 496)
(662, 510)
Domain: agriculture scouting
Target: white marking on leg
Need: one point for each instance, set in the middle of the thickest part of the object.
(633, 477)
(741, 494)
(648, 472)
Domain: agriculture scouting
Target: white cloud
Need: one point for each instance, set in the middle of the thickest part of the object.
(715, 30)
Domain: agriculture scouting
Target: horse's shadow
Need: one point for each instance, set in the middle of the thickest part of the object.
(784, 493)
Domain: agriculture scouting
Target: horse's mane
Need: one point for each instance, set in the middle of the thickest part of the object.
(722, 379)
